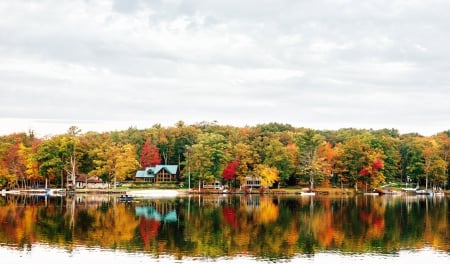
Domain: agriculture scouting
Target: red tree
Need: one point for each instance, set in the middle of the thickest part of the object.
(149, 155)
(230, 171)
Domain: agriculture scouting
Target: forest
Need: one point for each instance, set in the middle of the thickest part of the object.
(280, 155)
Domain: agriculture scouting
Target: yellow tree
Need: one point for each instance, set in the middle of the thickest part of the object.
(246, 159)
(268, 175)
(435, 166)
(443, 140)
(115, 162)
(7, 177)
(31, 165)
(14, 153)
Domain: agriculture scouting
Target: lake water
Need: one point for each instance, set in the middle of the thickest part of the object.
(225, 229)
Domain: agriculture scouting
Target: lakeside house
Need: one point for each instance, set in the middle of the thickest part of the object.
(252, 182)
(213, 185)
(158, 173)
(83, 181)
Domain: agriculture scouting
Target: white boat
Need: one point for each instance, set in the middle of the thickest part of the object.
(153, 193)
(424, 192)
(307, 193)
(409, 190)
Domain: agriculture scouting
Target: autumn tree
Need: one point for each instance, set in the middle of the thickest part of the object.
(352, 158)
(15, 151)
(246, 158)
(229, 173)
(372, 172)
(115, 162)
(443, 140)
(149, 155)
(326, 160)
(268, 175)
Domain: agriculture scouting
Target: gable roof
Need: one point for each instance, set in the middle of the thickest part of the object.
(150, 172)
(84, 178)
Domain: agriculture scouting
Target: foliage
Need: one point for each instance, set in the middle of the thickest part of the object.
(268, 175)
(229, 172)
(149, 155)
(300, 155)
(115, 162)
(308, 160)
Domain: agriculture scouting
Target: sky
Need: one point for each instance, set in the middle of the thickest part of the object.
(108, 65)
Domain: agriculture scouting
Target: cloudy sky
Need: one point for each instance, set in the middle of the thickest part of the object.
(323, 64)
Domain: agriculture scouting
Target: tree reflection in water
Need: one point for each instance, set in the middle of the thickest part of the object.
(267, 227)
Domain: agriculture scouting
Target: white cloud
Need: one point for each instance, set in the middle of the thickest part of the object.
(372, 64)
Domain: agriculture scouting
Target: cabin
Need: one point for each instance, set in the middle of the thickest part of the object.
(83, 181)
(213, 185)
(158, 173)
(252, 182)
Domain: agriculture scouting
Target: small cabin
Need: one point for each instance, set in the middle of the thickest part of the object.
(214, 185)
(83, 181)
(252, 182)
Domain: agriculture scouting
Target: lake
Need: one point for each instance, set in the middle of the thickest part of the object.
(225, 229)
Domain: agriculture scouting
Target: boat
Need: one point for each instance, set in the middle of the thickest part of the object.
(59, 192)
(371, 193)
(126, 198)
(424, 192)
(307, 193)
(409, 190)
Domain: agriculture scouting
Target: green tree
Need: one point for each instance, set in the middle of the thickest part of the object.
(52, 157)
(412, 161)
(352, 158)
(278, 156)
(308, 143)
(209, 157)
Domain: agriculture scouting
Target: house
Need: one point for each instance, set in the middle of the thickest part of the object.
(252, 182)
(84, 181)
(158, 173)
(214, 185)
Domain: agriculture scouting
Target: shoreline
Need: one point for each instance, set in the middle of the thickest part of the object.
(321, 191)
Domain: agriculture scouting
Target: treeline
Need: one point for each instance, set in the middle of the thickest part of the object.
(278, 154)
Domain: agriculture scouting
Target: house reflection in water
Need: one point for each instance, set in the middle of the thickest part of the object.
(149, 212)
(151, 219)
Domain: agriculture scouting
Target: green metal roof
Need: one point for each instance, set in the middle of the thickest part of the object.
(150, 172)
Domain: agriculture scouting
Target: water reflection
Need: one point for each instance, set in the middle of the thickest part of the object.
(216, 227)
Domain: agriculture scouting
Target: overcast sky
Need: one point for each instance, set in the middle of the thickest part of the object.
(322, 64)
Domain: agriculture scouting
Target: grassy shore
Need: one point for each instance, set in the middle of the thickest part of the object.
(328, 191)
